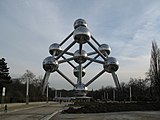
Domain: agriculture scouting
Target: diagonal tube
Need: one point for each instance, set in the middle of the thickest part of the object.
(69, 53)
(116, 81)
(94, 60)
(66, 39)
(91, 53)
(93, 79)
(69, 61)
(65, 60)
(64, 51)
(66, 78)
(91, 61)
(97, 50)
(95, 41)
(45, 82)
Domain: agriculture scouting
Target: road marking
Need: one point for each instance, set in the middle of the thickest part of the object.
(48, 117)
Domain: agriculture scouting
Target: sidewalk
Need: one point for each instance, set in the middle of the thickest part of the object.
(11, 107)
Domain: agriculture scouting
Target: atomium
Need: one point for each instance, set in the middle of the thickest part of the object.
(83, 59)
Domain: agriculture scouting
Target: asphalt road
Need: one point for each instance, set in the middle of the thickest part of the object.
(42, 112)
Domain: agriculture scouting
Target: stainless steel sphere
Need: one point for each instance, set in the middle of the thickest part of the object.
(81, 35)
(104, 48)
(80, 58)
(111, 65)
(80, 22)
(50, 64)
(55, 49)
(76, 72)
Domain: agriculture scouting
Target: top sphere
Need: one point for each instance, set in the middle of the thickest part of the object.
(80, 22)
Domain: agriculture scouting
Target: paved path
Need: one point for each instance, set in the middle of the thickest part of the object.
(152, 115)
(41, 112)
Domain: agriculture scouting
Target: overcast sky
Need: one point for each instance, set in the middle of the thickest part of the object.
(29, 27)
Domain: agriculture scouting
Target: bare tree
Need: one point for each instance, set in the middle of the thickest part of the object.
(154, 71)
(28, 75)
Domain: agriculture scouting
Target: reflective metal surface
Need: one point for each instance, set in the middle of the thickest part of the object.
(50, 64)
(55, 49)
(80, 58)
(81, 35)
(111, 65)
(80, 22)
(104, 48)
(99, 54)
(76, 72)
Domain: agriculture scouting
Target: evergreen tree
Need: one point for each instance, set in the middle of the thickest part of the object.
(4, 72)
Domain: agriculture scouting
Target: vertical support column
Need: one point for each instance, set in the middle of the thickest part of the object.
(80, 75)
(47, 94)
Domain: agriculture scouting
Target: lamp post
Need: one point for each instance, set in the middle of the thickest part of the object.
(114, 95)
(130, 93)
(27, 91)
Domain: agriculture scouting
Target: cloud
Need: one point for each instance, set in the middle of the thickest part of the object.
(27, 28)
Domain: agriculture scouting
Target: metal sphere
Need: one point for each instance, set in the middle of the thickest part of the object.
(104, 48)
(111, 65)
(55, 49)
(50, 64)
(80, 22)
(80, 58)
(76, 71)
(81, 35)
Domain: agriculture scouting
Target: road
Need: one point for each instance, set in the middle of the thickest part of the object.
(42, 112)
